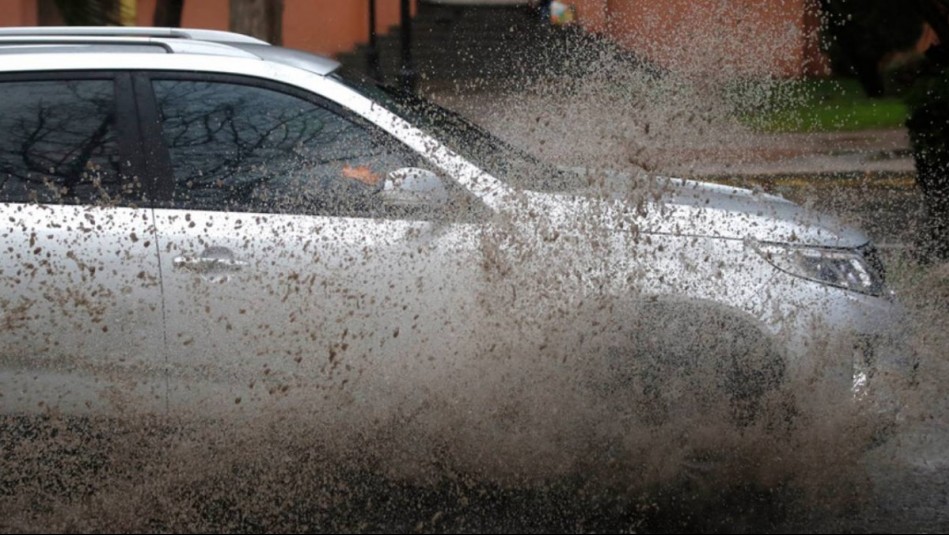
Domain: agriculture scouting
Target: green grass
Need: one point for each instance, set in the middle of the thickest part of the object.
(828, 106)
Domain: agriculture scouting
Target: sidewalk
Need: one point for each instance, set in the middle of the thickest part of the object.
(733, 154)
(873, 154)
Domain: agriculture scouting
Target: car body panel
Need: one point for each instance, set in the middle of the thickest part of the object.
(320, 303)
(82, 310)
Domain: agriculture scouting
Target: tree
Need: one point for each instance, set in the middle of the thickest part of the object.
(168, 13)
(262, 19)
(929, 135)
(107, 12)
(863, 32)
(85, 13)
(860, 30)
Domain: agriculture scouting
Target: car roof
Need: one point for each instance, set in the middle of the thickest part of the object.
(134, 39)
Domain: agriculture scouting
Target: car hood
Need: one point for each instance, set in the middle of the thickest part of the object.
(662, 205)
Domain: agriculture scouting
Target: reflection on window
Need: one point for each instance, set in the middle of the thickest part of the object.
(244, 148)
(58, 143)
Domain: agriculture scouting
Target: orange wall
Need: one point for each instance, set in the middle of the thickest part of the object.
(210, 14)
(815, 61)
(18, 12)
(592, 14)
(733, 36)
(144, 12)
(319, 27)
(322, 26)
(330, 27)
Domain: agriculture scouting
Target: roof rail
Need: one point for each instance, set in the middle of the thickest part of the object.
(129, 31)
(49, 43)
(27, 40)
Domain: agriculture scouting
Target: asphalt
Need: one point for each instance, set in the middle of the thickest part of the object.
(876, 155)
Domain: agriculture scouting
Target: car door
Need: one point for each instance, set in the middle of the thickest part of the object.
(80, 300)
(284, 270)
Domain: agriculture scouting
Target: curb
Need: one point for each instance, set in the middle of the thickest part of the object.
(851, 179)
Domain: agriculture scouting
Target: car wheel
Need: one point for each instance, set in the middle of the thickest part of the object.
(668, 360)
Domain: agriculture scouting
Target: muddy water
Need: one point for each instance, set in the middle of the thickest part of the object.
(900, 483)
(430, 467)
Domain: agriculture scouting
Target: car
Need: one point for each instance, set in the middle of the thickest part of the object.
(195, 220)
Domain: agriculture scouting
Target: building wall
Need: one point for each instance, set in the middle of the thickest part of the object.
(815, 61)
(323, 26)
(331, 27)
(209, 14)
(18, 12)
(731, 37)
(777, 37)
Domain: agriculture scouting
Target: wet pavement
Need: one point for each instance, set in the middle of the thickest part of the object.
(874, 153)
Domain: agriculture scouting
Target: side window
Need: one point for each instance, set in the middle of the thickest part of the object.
(243, 148)
(58, 143)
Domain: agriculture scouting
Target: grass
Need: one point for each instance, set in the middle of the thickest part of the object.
(828, 105)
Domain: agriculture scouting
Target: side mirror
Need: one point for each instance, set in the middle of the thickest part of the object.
(413, 187)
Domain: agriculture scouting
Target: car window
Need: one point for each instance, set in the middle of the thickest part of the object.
(244, 148)
(515, 166)
(58, 143)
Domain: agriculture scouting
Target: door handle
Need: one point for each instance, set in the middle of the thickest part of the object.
(212, 261)
(204, 265)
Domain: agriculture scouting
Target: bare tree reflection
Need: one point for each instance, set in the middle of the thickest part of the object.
(245, 148)
(58, 143)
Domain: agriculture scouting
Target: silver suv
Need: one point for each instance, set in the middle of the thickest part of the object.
(195, 219)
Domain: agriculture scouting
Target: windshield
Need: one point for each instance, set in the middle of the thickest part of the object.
(515, 166)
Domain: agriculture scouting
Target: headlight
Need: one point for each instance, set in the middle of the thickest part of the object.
(856, 269)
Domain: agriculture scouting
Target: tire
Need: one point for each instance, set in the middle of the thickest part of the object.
(666, 360)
